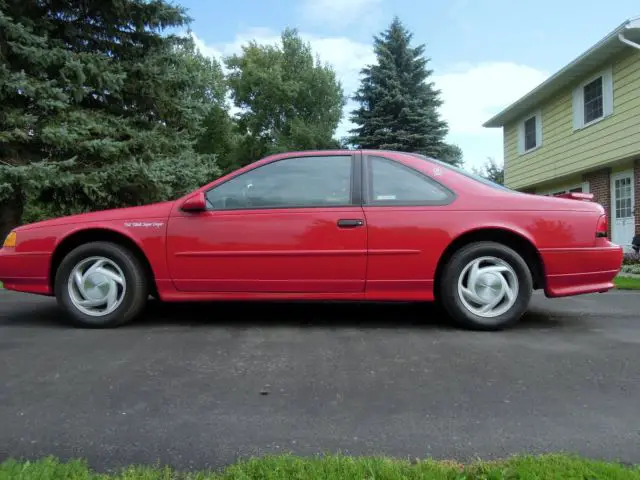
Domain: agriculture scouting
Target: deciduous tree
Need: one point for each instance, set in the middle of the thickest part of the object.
(288, 99)
(491, 170)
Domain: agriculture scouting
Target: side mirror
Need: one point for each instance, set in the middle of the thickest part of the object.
(195, 203)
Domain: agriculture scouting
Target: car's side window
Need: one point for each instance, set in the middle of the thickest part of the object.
(391, 183)
(288, 183)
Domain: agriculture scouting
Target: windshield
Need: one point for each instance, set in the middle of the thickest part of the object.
(467, 174)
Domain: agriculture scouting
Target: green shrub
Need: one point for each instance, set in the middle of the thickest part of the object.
(633, 269)
(631, 258)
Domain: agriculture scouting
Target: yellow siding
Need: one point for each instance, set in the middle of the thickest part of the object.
(564, 151)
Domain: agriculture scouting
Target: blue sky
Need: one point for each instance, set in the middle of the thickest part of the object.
(485, 53)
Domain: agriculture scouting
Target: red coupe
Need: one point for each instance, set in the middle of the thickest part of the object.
(323, 225)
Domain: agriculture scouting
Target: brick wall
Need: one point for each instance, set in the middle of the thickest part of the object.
(636, 174)
(600, 186)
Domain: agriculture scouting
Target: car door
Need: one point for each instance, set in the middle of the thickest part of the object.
(405, 213)
(294, 225)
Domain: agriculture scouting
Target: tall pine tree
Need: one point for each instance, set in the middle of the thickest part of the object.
(398, 105)
(98, 107)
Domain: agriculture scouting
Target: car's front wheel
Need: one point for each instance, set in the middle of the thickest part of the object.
(486, 286)
(101, 285)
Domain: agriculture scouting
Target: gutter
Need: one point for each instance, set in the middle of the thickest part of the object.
(623, 39)
(631, 24)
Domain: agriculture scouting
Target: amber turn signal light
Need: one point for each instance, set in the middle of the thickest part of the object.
(10, 241)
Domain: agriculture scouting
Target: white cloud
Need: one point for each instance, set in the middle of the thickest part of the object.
(339, 13)
(224, 49)
(206, 50)
(345, 55)
(474, 93)
(471, 93)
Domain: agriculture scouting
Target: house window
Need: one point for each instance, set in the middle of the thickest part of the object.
(593, 100)
(530, 133)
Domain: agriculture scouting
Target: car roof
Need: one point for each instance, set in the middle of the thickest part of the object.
(344, 151)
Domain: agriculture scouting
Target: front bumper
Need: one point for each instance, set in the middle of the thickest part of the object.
(25, 271)
(576, 271)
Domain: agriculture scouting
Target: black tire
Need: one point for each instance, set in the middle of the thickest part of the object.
(450, 296)
(134, 297)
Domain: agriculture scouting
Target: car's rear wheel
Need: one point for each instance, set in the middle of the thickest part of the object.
(486, 286)
(101, 285)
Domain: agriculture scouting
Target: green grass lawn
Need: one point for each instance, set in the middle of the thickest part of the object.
(558, 467)
(627, 283)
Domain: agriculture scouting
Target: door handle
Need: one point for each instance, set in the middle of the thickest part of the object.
(350, 222)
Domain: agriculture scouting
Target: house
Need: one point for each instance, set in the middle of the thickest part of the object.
(579, 131)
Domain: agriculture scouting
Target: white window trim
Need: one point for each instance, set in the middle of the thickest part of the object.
(538, 115)
(607, 99)
(565, 189)
(612, 189)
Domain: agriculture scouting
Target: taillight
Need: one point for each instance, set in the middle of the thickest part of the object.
(602, 227)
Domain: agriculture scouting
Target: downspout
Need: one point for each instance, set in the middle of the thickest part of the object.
(623, 39)
(635, 243)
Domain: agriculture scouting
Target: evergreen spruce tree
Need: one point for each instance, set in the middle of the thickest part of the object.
(398, 105)
(98, 107)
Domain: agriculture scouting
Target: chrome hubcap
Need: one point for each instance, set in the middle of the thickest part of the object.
(97, 286)
(488, 287)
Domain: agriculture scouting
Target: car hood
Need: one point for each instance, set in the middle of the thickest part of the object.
(146, 212)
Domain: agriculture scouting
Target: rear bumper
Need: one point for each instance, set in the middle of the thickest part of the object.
(576, 271)
(25, 272)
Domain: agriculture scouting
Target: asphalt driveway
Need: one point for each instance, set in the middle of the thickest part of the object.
(200, 386)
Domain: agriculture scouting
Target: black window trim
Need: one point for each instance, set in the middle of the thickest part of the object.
(356, 188)
(368, 186)
(600, 97)
(357, 175)
(535, 133)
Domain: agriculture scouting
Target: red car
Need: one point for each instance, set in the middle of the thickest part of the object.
(323, 225)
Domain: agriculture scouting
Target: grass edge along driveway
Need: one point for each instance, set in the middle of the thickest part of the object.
(627, 283)
(339, 467)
